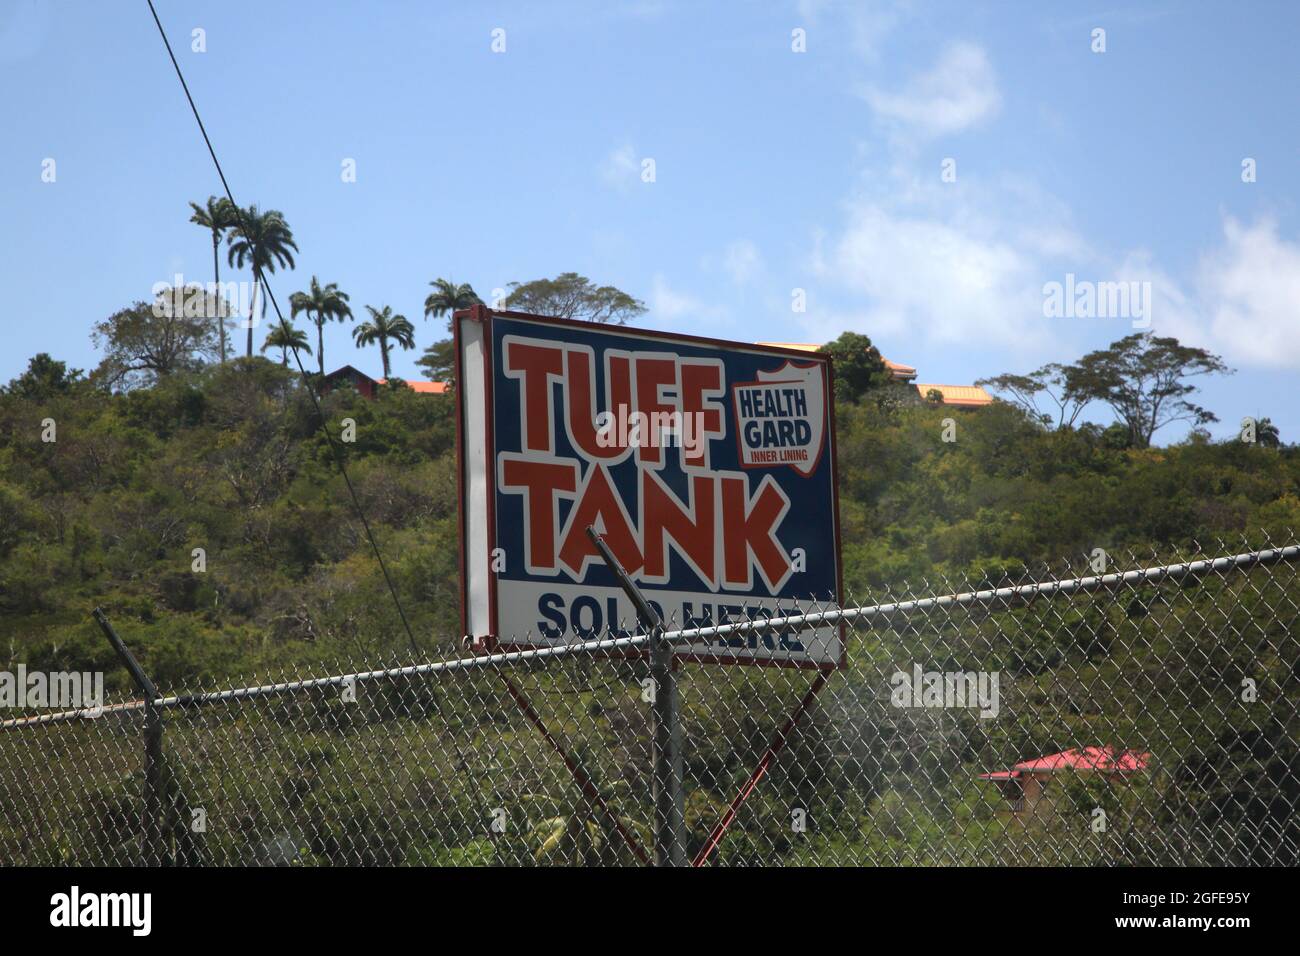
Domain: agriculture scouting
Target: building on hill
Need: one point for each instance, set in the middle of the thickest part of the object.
(1023, 785)
(368, 387)
(348, 375)
(419, 385)
(957, 396)
(913, 392)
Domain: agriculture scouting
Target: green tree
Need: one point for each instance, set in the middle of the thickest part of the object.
(1267, 434)
(438, 363)
(1049, 382)
(217, 216)
(263, 240)
(571, 296)
(145, 343)
(448, 297)
(858, 366)
(1144, 380)
(383, 327)
(285, 337)
(43, 379)
(321, 305)
(1116, 437)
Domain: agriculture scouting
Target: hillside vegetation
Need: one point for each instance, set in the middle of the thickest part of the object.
(230, 460)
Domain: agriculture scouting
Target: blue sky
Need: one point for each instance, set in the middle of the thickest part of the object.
(774, 170)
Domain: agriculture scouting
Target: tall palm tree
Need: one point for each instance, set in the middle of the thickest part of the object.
(321, 305)
(263, 240)
(447, 297)
(284, 337)
(383, 327)
(217, 215)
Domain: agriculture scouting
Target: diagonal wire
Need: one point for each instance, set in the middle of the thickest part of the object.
(266, 286)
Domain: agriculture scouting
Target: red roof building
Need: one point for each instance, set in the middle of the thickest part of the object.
(1023, 784)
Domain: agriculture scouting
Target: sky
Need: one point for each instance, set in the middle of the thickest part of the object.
(918, 172)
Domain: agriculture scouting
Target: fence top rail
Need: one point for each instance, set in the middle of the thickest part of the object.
(1021, 592)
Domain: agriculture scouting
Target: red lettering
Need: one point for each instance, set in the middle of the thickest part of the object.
(651, 373)
(696, 380)
(540, 481)
(662, 513)
(748, 527)
(582, 410)
(619, 372)
(599, 506)
(538, 364)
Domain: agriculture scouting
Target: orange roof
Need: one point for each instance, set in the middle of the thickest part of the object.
(896, 369)
(425, 388)
(899, 370)
(962, 396)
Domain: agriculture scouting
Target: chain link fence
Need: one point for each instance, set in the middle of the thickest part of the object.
(1133, 710)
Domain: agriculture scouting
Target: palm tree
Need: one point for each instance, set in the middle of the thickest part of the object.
(1267, 434)
(321, 305)
(447, 297)
(285, 337)
(263, 240)
(382, 327)
(218, 215)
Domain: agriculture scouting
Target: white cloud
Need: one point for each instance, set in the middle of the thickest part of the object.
(672, 307)
(938, 280)
(742, 261)
(950, 264)
(944, 263)
(866, 24)
(958, 92)
(620, 169)
(1242, 300)
(1252, 289)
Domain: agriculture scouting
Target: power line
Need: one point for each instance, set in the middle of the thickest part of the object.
(266, 286)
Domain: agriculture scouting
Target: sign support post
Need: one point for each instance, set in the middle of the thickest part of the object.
(154, 841)
(669, 792)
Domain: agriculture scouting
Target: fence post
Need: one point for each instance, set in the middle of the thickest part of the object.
(154, 845)
(669, 793)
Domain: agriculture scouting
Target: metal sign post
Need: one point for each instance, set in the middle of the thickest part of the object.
(154, 842)
(669, 793)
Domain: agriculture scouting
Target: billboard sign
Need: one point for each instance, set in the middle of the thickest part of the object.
(707, 466)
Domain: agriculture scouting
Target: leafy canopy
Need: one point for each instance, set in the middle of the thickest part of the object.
(571, 296)
(858, 366)
(448, 297)
(262, 240)
(1050, 383)
(45, 378)
(321, 304)
(384, 327)
(1144, 380)
(144, 343)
